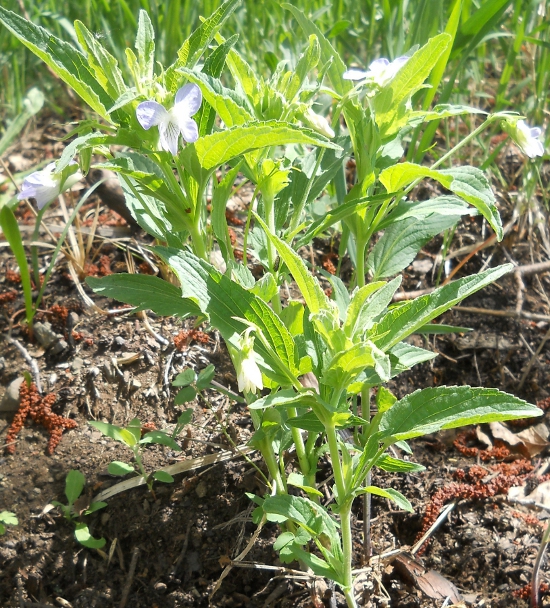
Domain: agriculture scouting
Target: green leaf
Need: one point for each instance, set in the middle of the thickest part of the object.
(12, 234)
(145, 46)
(308, 422)
(218, 148)
(228, 104)
(395, 465)
(440, 205)
(160, 438)
(473, 186)
(104, 65)
(357, 302)
(185, 395)
(441, 111)
(401, 175)
(163, 476)
(315, 297)
(384, 399)
(192, 49)
(205, 377)
(74, 484)
(62, 58)
(120, 468)
(186, 377)
(440, 328)
(115, 432)
(390, 105)
(95, 506)
(8, 518)
(345, 366)
(307, 62)
(446, 407)
(401, 241)
(83, 536)
(407, 318)
(223, 300)
(390, 493)
(298, 481)
(146, 292)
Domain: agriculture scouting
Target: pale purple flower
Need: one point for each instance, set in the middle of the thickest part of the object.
(175, 122)
(45, 185)
(381, 72)
(527, 139)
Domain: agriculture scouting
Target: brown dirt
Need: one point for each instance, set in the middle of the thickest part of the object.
(185, 533)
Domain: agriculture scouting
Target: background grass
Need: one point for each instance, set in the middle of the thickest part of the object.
(500, 57)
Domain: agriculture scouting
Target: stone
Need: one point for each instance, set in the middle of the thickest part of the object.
(59, 347)
(10, 400)
(76, 364)
(45, 334)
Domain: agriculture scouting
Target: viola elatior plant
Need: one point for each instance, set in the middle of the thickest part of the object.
(175, 122)
(308, 367)
(525, 137)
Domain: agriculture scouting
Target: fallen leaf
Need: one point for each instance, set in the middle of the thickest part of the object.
(483, 437)
(431, 583)
(530, 441)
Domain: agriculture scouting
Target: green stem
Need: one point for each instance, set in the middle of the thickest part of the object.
(361, 255)
(336, 464)
(196, 238)
(299, 444)
(269, 205)
(300, 207)
(347, 551)
(272, 466)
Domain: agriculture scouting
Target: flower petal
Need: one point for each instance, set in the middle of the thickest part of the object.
(354, 74)
(189, 130)
(150, 114)
(188, 100)
(169, 134)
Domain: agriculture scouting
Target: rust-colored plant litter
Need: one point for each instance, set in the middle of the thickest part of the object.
(327, 262)
(39, 408)
(477, 483)
(185, 337)
(524, 593)
(462, 441)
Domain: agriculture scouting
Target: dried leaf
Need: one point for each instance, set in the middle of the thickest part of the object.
(431, 583)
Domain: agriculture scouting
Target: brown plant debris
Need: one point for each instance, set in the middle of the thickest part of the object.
(462, 441)
(327, 262)
(185, 337)
(39, 408)
(472, 484)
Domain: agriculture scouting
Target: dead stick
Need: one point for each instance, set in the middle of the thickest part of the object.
(536, 567)
(129, 580)
(31, 362)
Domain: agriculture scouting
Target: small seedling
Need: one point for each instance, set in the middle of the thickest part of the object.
(191, 383)
(7, 518)
(79, 506)
(131, 437)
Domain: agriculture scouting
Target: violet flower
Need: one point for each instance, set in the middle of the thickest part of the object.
(45, 185)
(175, 122)
(380, 73)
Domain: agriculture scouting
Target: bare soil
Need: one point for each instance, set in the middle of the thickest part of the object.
(169, 548)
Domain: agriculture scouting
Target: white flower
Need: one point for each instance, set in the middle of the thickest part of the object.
(319, 123)
(249, 376)
(45, 185)
(381, 72)
(172, 123)
(527, 139)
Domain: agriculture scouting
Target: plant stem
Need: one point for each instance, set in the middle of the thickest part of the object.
(347, 550)
(299, 444)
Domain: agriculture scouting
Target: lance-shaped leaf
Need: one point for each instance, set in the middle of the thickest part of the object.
(223, 300)
(307, 61)
(104, 65)
(63, 58)
(315, 297)
(147, 293)
(390, 493)
(390, 104)
(192, 49)
(217, 149)
(401, 241)
(405, 319)
(446, 407)
(145, 46)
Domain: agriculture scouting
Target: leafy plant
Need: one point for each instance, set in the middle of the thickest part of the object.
(7, 518)
(133, 438)
(79, 506)
(307, 368)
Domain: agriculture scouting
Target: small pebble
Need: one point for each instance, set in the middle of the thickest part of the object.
(10, 400)
(120, 341)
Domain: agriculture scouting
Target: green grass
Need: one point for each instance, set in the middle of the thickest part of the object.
(500, 58)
